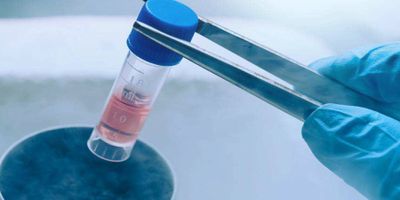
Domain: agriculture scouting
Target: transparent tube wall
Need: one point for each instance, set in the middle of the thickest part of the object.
(128, 105)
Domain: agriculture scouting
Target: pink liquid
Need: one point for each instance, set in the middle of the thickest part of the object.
(122, 122)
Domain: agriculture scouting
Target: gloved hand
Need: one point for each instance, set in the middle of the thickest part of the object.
(360, 145)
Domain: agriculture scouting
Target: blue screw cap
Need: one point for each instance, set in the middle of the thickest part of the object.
(170, 17)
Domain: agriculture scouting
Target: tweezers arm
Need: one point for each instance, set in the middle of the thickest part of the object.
(287, 100)
(304, 80)
(300, 77)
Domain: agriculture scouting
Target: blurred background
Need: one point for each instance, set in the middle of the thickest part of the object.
(58, 60)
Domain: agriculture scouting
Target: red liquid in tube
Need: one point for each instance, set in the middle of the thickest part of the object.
(122, 122)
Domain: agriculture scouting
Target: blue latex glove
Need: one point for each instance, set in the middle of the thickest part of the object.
(360, 145)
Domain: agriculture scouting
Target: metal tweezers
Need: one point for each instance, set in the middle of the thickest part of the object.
(309, 89)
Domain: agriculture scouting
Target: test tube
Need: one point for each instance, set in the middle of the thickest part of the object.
(140, 80)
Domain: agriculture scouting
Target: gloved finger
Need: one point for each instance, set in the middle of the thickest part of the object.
(359, 145)
(374, 72)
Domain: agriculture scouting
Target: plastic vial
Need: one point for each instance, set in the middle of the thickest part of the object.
(140, 80)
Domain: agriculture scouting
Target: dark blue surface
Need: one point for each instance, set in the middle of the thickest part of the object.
(57, 164)
(170, 17)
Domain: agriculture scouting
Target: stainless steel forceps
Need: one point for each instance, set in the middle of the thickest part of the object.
(310, 89)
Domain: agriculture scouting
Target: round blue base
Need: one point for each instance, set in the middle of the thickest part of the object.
(57, 164)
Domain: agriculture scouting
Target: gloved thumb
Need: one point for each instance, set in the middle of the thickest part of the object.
(359, 145)
(374, 72)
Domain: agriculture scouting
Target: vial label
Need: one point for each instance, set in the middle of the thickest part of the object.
(131, 96)
(122, 122)
(128, 96)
